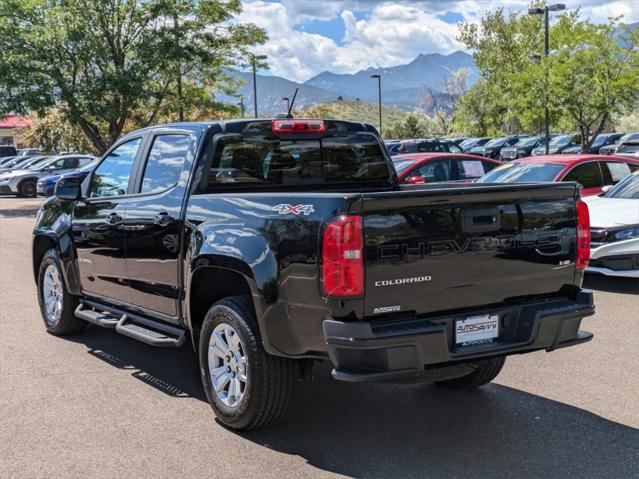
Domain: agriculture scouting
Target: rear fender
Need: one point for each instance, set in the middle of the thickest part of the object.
(236, 248)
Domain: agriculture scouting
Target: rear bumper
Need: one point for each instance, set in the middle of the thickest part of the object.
(363, 351)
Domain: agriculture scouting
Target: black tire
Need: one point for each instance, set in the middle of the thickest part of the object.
(66, 323)
(28, 189)
(486, 370)
(271, 379)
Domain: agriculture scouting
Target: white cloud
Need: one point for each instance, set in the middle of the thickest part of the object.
(390, 32)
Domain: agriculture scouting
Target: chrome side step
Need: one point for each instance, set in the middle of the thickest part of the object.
(141, 328)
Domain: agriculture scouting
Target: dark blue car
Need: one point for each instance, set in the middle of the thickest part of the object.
(46, 186)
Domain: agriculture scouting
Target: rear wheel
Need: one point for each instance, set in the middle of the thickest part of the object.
(28, 189)
(246, 387)
(57, 306)
(486, 370)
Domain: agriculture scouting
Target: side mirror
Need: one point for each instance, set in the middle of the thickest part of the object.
(414, 180)
(50, 168)
(69, 188)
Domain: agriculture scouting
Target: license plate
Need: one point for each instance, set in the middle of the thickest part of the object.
(477, 329)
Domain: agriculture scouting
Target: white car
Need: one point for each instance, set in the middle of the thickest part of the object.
(614, 226)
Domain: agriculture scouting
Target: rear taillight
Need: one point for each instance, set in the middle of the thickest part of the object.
(298, 126)
(342, 257)
(583, 235)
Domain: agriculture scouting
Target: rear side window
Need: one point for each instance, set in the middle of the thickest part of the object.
(470, 169)
(438, 170)
(614, 171)
(586, 174)
(70, 163)
(165, 162)
(271, 161)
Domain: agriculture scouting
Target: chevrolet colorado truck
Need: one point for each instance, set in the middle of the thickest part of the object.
(271, 244)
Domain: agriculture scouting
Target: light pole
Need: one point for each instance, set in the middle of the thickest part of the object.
(241, 105)
(544, 11)
(288, 102)
(254, 59)
(379, 100)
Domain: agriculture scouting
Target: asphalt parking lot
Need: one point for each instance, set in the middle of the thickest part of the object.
(102, 405)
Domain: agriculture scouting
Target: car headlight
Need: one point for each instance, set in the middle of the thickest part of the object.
(627, 233)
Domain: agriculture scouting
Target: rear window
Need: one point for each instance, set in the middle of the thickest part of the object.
(271, 161)
(523, 172)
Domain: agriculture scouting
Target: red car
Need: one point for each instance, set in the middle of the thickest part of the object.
(433, 167)
(593, 172)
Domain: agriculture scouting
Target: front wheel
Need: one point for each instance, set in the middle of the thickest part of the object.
(28, 189)
(57, 306)
(485, 371)
(246, 387)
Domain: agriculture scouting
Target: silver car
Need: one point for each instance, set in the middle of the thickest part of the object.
(22, 182)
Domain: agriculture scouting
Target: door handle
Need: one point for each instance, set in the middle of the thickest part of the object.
(113, 218)
(163, 218)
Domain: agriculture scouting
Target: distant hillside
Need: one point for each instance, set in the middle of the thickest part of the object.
(402, 85)
(364, 111)
(270, 93)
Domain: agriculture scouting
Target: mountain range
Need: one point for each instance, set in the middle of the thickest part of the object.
(402, 85)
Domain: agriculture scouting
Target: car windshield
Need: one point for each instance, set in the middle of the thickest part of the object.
(629, 137)
(628, 188)
(532, 141)
(22, 162)
(560, 140)
(522, 172)
(496, 142)
(38, 163)
(402, 165)
(468, 142)
(599, 140)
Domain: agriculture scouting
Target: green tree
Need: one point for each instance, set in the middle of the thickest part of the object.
(444, 104)
(413, 125)
(52, 132)
(589, 77)
(501, 45)
(593, 74)
(480, 113)
(117, 64)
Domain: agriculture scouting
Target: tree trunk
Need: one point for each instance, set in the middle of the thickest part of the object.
(92, 133)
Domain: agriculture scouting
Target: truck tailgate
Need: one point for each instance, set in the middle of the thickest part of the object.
(461, 246)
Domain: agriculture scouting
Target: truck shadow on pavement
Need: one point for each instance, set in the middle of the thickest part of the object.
(407, 430)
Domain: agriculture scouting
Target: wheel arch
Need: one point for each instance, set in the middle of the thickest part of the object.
(209, 284)
(43, 242)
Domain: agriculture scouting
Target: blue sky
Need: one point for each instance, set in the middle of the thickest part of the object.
(307, 37)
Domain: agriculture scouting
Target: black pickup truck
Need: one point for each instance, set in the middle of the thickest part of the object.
(271, 244)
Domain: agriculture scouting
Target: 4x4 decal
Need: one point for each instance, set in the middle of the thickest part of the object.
(286, 209)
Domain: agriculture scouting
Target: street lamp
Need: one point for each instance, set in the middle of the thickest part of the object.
(241, 104)
(254, 59)
(288, 103)
(544, 11)
(379, 100)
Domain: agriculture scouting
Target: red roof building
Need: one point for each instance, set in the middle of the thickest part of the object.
(13, 121)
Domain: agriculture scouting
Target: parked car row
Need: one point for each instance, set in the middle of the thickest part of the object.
(513, 147)
(25, 175)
